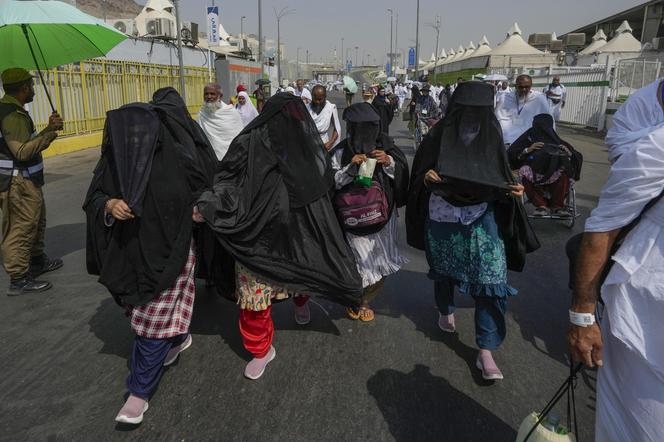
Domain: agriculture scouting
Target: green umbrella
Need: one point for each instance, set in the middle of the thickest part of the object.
(350, 84)
(44, 34)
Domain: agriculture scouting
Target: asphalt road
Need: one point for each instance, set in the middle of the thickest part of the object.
(64, 354)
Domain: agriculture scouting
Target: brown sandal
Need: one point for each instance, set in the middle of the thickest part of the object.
(366, 314)
(352, 313)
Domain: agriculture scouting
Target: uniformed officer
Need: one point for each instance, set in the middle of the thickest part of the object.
(21, 181)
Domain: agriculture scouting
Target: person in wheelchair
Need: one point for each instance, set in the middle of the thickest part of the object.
(547, 166)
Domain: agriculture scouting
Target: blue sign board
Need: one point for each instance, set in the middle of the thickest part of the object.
(411, 57)
(388, 69)
(349, 67)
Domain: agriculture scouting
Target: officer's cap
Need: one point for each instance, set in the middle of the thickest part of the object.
(14, 75)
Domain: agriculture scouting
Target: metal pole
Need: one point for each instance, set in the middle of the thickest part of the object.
(279, 50)
(417, 40)
(435, 63)
(297, 60)
(343, 62)
(260, 35)
(242, 19)
(357, 48)
(396, 34)
(183, 92)
(391, 41)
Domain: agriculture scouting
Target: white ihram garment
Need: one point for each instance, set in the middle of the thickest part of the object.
(630, 387)
(220, 127)
(516, 114)
(326, 122)
(559, 94)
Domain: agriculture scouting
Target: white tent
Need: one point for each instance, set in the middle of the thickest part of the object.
(514, 44)
(469, 51)
(482, 49)
(450, 56)
(624, 41)
(460, 52)
(599, 40)
(153, 10)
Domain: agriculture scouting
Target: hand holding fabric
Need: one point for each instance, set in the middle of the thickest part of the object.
(119, 209)
(432, 177)
(535, 146)
(196, 216)
(517, 190)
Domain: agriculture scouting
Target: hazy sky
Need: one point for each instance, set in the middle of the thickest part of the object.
(319, 25)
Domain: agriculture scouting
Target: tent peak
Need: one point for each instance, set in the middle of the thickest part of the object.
(514, 30)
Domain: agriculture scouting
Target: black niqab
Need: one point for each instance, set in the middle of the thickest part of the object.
(270, 206)
(550, 158)
(512, 220)
(472, 161)
(139, 258)
(362, 138)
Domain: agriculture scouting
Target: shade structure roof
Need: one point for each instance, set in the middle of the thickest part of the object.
(599, 41)
(482, 49)
(514, 44)
(624, 41)
(469, 51)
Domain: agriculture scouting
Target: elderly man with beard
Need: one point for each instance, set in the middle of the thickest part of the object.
(326, 117)
(221, 122)
(516, 110)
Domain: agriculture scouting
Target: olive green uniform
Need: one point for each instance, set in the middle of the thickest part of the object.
(21, 180)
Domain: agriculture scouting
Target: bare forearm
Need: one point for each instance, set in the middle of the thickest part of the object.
(593, 255)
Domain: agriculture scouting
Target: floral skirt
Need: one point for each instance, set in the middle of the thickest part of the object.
(471, 255)
(254, 293)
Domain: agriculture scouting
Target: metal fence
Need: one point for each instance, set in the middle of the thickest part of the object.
(83, 92)
(631, 75)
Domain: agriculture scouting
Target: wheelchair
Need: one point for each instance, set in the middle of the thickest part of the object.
(570, 205)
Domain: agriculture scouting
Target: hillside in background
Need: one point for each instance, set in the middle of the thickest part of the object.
(114, 8)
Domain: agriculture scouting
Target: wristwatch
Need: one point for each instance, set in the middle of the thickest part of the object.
(581, 319)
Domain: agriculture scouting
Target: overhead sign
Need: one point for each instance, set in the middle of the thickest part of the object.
(213, 25)
(411, 57)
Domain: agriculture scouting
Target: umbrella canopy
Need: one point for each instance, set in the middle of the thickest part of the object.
(495, 77)
(55, 31)
(391, 78)
(350, 84)
(262, 82)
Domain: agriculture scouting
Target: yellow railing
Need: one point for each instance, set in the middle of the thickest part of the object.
(83, 92)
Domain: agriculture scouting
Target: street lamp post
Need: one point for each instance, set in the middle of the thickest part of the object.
(260, 34)
(391, 41)
(357, 48)
(341, 55)
(297, 60)
(436, 27)
(183, 92)
(242, 19)
(417, 40)
(279, 15)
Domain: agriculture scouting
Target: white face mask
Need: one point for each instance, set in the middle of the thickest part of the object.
(212, 106)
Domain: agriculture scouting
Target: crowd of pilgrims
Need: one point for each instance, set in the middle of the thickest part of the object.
(291, 209)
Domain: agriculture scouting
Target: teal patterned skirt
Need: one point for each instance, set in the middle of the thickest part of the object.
(473, 256)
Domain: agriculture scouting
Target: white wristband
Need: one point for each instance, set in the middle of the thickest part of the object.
(581, 319)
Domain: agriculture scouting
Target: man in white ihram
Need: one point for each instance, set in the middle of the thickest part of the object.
(556, 94)
(221, 122)
(629, 348)
(515, 110)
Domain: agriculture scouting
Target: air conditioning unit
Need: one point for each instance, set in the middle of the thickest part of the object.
(160, 27)
(574, 40)
(540, 39)
(189, 32)
(126, 26)
(556, 46)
